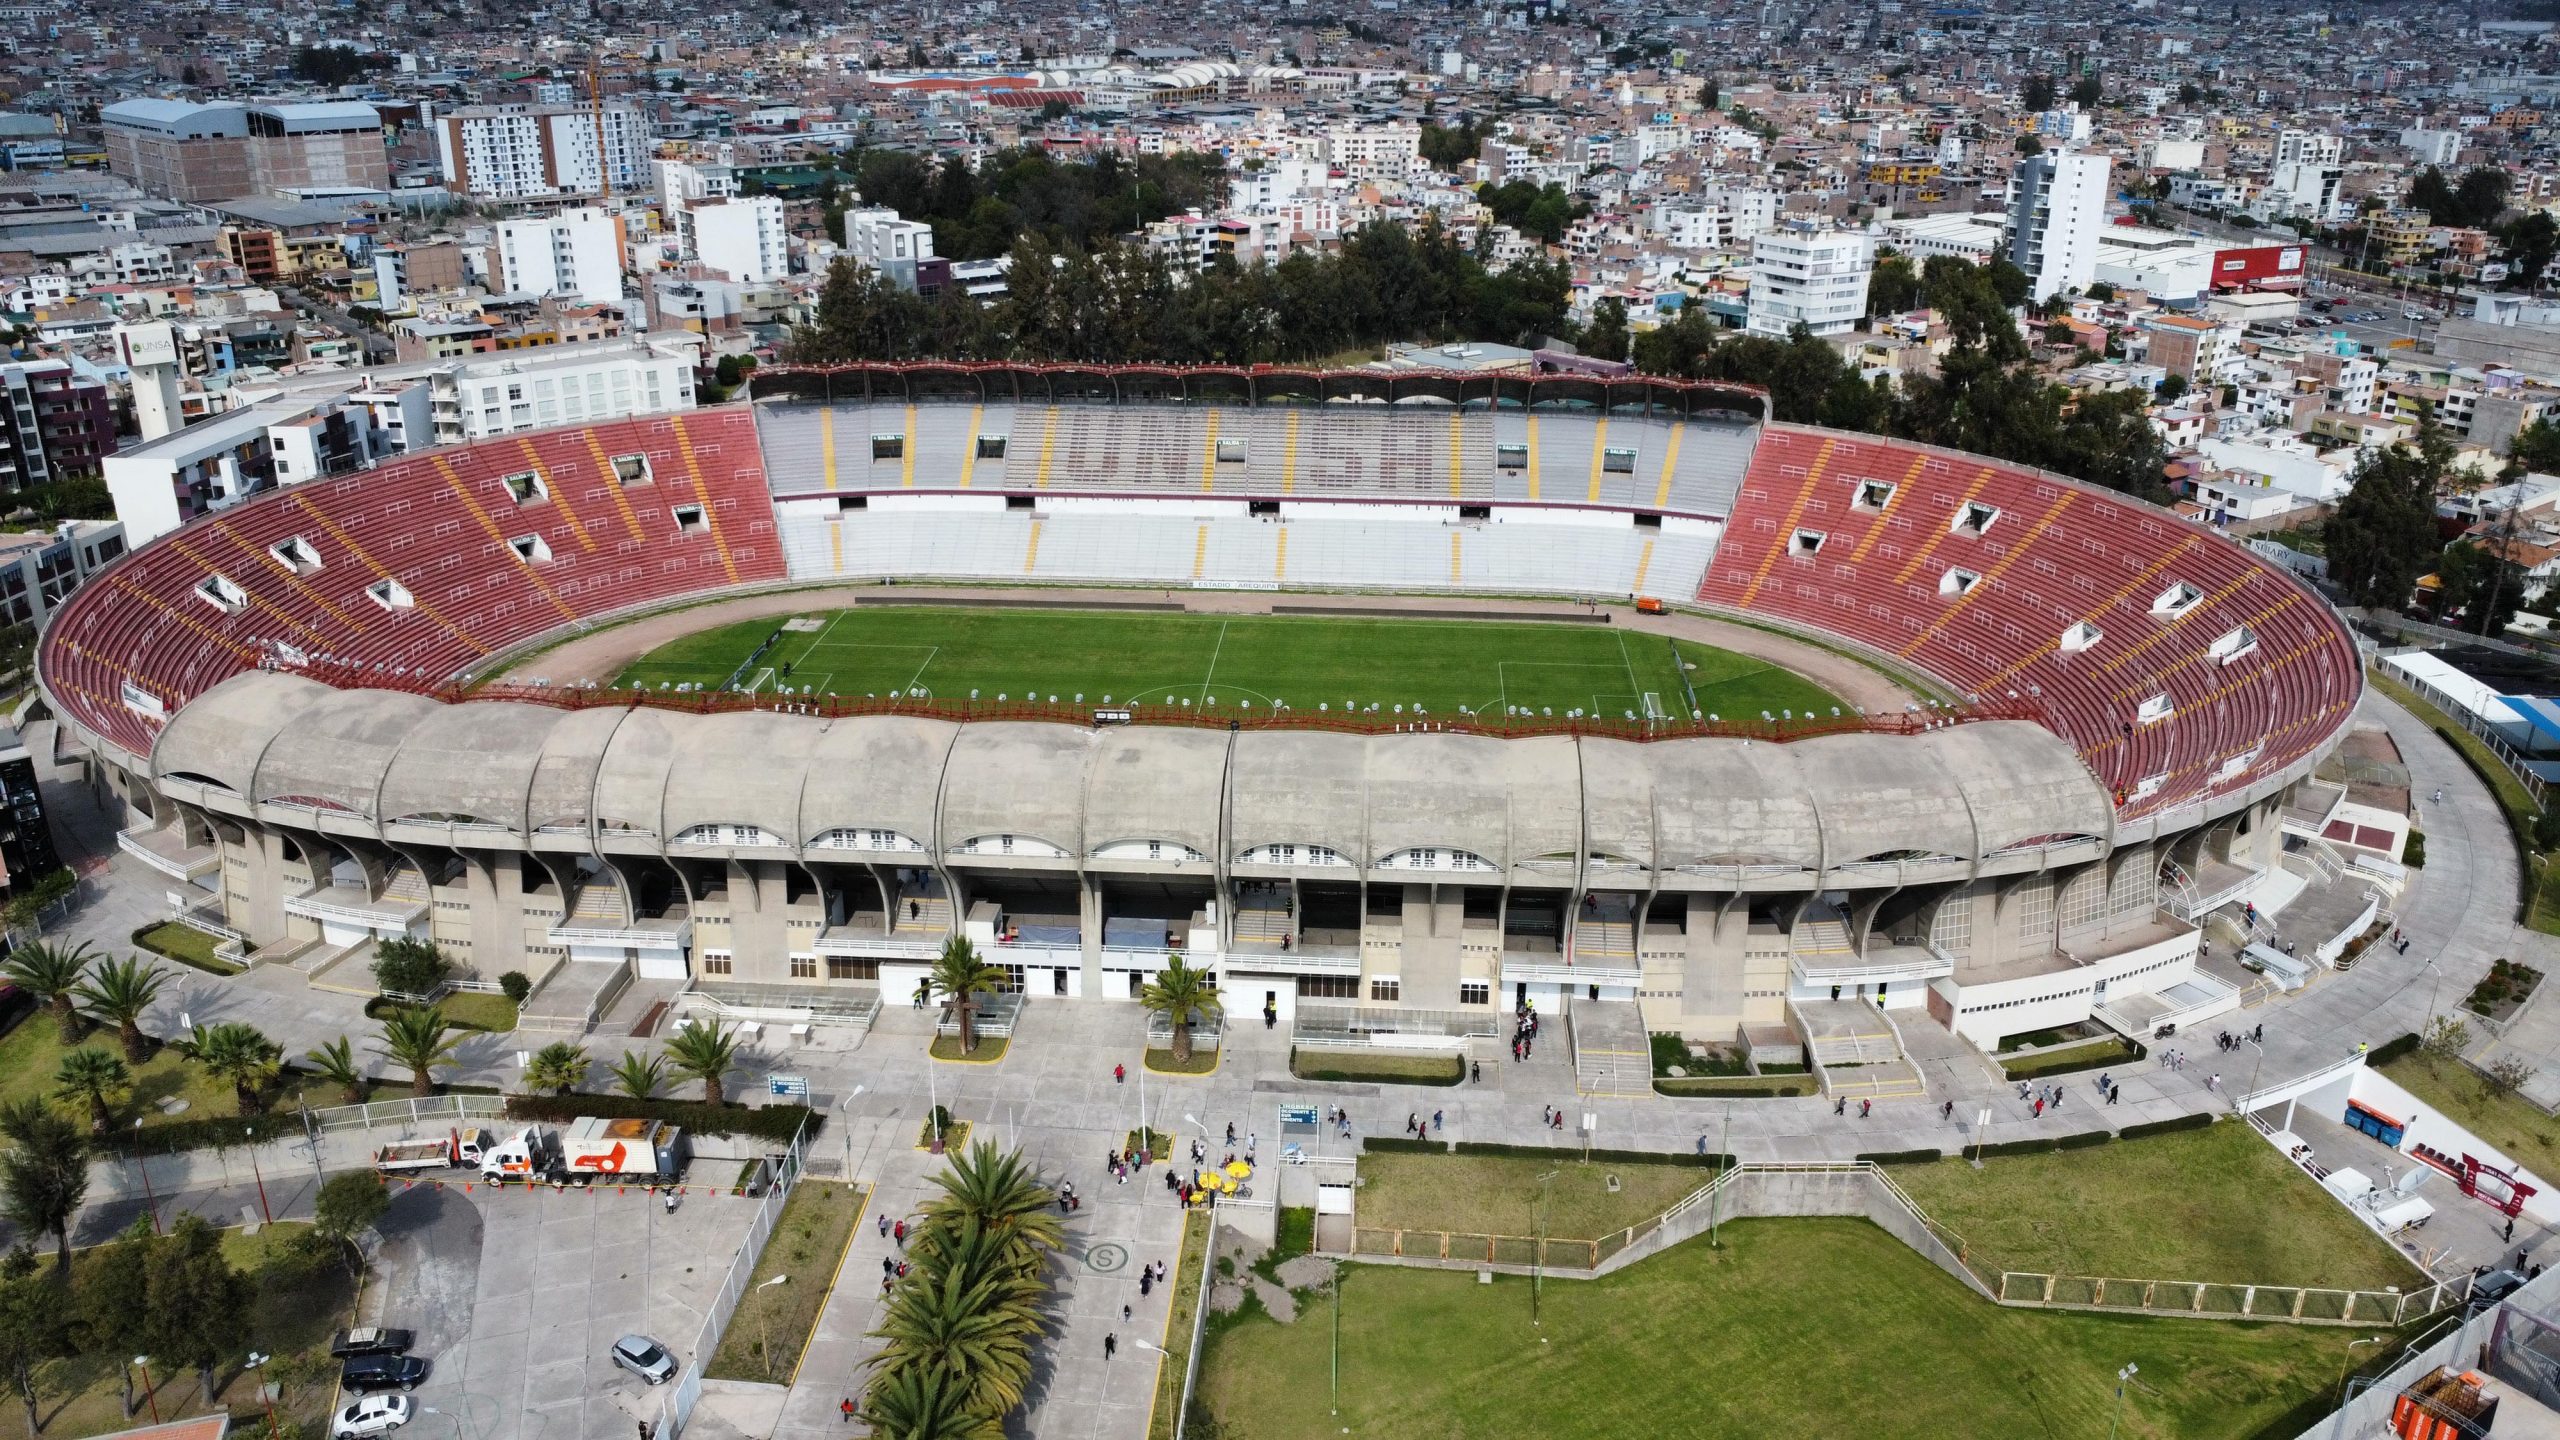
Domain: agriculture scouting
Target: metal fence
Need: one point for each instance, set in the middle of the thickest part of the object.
(1469, 1248)
(1360, 1025)
(1199, 1322)
(677, 1408)
(433, 1110)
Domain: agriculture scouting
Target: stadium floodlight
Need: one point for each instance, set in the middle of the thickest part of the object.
(1079, 697)
(1399, 709)
(1322, 705)
(974, 695)
(1765, 715)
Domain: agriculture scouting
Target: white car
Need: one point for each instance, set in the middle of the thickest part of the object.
(372, 1415)
(2414, 313)
(645, 1358)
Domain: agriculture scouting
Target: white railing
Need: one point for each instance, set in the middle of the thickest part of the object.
(1291, 962)
(367, 914)
(657, 937)
(169, 865)
(864, 946)
(432, 1110)
(1548, 972)
(197, 921)
(1925, 968)
(677, 1409)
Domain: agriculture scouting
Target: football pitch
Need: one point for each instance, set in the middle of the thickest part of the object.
(1313, 663)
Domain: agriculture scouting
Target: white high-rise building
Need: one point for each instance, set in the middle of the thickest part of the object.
(2308, 147)
(517, 152)
(2057, 206)
(888, 244)
(1805, 274)
(576, 252)
(744, 238)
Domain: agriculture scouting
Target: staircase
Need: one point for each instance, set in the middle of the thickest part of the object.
(932, 917)
(1856, 1050)
(1612, 1056)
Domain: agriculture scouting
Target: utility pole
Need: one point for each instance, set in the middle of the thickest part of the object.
(1715, 1190)
(1538, 1257)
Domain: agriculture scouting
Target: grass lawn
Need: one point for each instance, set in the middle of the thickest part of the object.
(1364, 1065)
(1441, 665)
(1202, 1062)
(2511, 1123)
(30, 1054)
(83, 1394)
(1812, 1328)
(1746, 1087)
(184, 944)
(1498, 1194)
(773, 1324)
(987, 1051)
(2113, 1050)
(2214, 1204)
(463, 1009)
(1163, 1416)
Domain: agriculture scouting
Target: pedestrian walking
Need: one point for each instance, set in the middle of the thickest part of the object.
(1146, 1282)
(1412, 1122)
(1945, 1112)
(1231, 1125)
(1110, 1343)
(1840, 1105)
(2038, 1111)
(846, 1407)
(888, 1266)
(884, 1227)
(1436, 1122)
(1864, 1106)
(1126, 1314)
(1475, 1072)
(2112, 1092)
(2213, 1081)
(1119, 1074)
(671, 1202)
(898, 1232)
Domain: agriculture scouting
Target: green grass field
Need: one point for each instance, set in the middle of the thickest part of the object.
(1500, 1194)
(2215, 1204)
(1813, 1328)
(1307, 663)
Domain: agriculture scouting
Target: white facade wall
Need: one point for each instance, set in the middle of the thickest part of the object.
(743, 238)
(2056, 210)
(577, 252)
(1814, 278)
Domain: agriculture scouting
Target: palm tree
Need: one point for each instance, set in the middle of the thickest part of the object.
(44, 1175)
(638, 1075)
(959, 973)
(997, 1193)
(95, 1078)
(51, 974)
(335, 1062)
(116, 993)
(704, 1052)
(978, 1334)
(239, 1053)
(418, 1040)
(558, 1067)
(917, 1404)
(1179, 992)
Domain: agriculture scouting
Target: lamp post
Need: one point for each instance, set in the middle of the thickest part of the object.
(1724, 1153)
(264, 1215)
(2123, 1375)
(2433, 987)
(266, 1392)
(2349, 1362)
(150, 1201)
(1538, 1257)
(764, 1324)
(143, 1363)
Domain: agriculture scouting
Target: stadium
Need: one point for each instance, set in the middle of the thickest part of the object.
(421, 700)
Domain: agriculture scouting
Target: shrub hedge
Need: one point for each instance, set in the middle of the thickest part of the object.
(2074, 1060)
(2197, 1121)
(2037, 1145)
(1901, 1157)
(2390, 1050)
(1404, 1145)
(2084, 1140)
(777, 1123)
(1686, 1158)
(1739, 1087)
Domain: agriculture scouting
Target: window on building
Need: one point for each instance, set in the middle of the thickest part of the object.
(1475, 992)
(1328, 987)
(845, 967)
(715, 964)
(804, 967)
(1386, 991)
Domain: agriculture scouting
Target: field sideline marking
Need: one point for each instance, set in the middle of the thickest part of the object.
(930, 652)
(1629, 661)
(1214, 652)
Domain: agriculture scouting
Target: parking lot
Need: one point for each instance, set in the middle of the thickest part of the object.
(517, 1295)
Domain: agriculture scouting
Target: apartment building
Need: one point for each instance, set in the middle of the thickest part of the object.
(53, 423)
(1373, 152)
(576, 253)
(1805, 274)
(519, 152)
(884, 242)
(743, 237)
(2057, 206)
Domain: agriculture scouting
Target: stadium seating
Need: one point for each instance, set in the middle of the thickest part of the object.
(1416, 452)
(2177, 661)
(412, 571)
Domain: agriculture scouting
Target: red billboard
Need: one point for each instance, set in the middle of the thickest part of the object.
(2258, 267)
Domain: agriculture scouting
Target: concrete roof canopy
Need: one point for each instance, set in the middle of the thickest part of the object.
(631, 781)
(876, 774)
(739, 769)
(1542, 783)
(1732, 802)
(562, 787)
(2024, 782)
(1017, 778)
(1618, 778)
(340, 747)
(1299, 787)
(1156, 784)
(1439, 790)
(470, 762)
(220, 734)
(1879, 801)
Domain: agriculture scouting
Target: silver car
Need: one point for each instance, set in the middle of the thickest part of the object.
(372, 1415)
(645, 1358)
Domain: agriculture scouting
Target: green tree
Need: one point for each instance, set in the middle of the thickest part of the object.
(418, 1041)
(639, 1075)
(919, 1404)
(199, 1304)
(117, 993)
(2537, 447)
(240, 1055)
(335, 1062)
(348, 1205)
(50, 974)
(558, 1067)
(1606, 339)
(997, 1192)
(973, 1330)
(405, 966)
(2037, 95)
(96, 1079)
(44, 1175)
(1180, 992)
(2476, 589)
(1893, 288)
(2087, 91)
(704, 1052)
(2481, 195)
(959, 975)
(2432, 193)
(35, 1326)
(2383, 536)
(516, 985)
(114, 1300)
(2531, 242)
(2173, 388)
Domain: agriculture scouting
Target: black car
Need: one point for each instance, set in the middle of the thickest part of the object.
(2490, 1288)
(372, 1342)
(367, 1373)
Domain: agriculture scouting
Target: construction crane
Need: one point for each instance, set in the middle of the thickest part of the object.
(595, 107)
